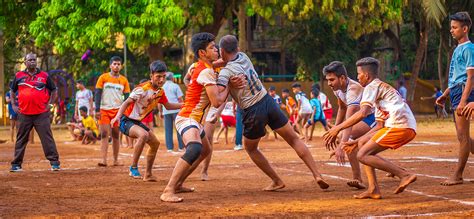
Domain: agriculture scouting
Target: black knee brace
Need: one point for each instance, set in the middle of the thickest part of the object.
(193, 151)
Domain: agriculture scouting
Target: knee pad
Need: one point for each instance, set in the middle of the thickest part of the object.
(193, 151)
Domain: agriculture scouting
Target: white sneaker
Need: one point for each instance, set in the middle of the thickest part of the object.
(238, 147)
(180, 150)
(169, 151)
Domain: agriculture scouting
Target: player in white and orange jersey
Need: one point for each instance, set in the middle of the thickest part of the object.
(141, 102)
(399, 128)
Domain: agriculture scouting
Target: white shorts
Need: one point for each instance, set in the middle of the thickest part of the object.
(183, 124)
(211, 113)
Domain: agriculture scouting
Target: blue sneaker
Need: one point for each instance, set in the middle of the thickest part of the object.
(55, 167)
(16, 168)
(134, 173)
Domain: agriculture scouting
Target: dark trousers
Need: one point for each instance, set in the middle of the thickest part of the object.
(169, 122)
(42, 126)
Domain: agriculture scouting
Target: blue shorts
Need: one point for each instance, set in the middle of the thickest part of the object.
(314, 120)
(456, 93)
(127, 123)
(370, 120)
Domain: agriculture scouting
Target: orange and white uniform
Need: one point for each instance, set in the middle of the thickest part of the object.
(146, 99)
(113, 89)
(196, 100)
(400, 124)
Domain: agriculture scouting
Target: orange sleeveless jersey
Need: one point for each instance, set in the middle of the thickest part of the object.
(196, 100)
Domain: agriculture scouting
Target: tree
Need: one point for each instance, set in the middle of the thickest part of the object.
(81, 25)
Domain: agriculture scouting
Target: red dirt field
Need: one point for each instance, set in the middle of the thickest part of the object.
(82, 188)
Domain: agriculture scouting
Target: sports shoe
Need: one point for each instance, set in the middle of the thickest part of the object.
(55, 167)
(134, 173)
(169, 151)
(16, 168)
(238, 147)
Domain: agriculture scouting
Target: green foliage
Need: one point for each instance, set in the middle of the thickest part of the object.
(315, 44)
(95, 24)
(358, 16)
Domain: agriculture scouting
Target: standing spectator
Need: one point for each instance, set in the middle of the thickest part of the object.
(402, 90)
(327, 107)
(439, 110)
(83, 98)
(110, 91)
(36, 91)
(174, 95)
(12, 113)
(239, 129)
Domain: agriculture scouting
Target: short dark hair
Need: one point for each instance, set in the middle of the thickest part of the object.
(463, 17)
(315, 86)
(335, 67)
(83, 109)
(296, 84)
(115, 59)
(271, 88)
(80, 82)
(285, 90)
(201, 41)
(158, 66)
(315, 92)
(229, 43)
(369, 64)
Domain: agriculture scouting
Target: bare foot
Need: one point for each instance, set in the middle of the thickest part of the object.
(149, 179)
(183, 189)
(102, 164)
(204, 177)
(452, 182)
(367, 195)
(167, 197)
(117, 163)
(404, 182)
(274, 187)
(391, 175)
(322, 184)
(356, 184)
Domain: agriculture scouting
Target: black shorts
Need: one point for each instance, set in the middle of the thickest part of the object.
(256, 117)
(127, 123)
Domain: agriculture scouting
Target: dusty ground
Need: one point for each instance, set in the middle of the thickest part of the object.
(83, 189)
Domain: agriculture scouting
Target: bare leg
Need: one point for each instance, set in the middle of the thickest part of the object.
(104, 143)
(115, 145)
(142, 136)
(300, 148)
(151, 156)
(373, 192)
(357, 130)
(312, 131)
(226, 135)
(12, 130)
(209, 129)
(181, 169)
(465, 144)
(251, 146)
(218, 134)
(367, 156)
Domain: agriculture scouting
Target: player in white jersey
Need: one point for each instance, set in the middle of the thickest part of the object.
(399, 122)
(259, 109)
(349, 94)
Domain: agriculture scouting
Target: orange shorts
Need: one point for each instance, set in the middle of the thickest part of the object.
(107, 115)
(393, 137)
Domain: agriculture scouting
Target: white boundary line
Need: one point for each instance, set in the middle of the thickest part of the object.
(470, 203)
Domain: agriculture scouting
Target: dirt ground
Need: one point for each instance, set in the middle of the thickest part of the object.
(82, 188)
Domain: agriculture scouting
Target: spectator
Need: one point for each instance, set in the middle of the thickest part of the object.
(402, 90)
(174, 95)
(83, 98)
(36, 91)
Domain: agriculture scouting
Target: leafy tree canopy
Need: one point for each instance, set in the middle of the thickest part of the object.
(96, 23)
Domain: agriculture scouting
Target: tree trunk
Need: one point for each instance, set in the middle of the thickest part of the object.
(396, 44)
(420, 53)
(219, 12)
(242, 17)
(2, 76)
(440, 62)
(155, 51)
